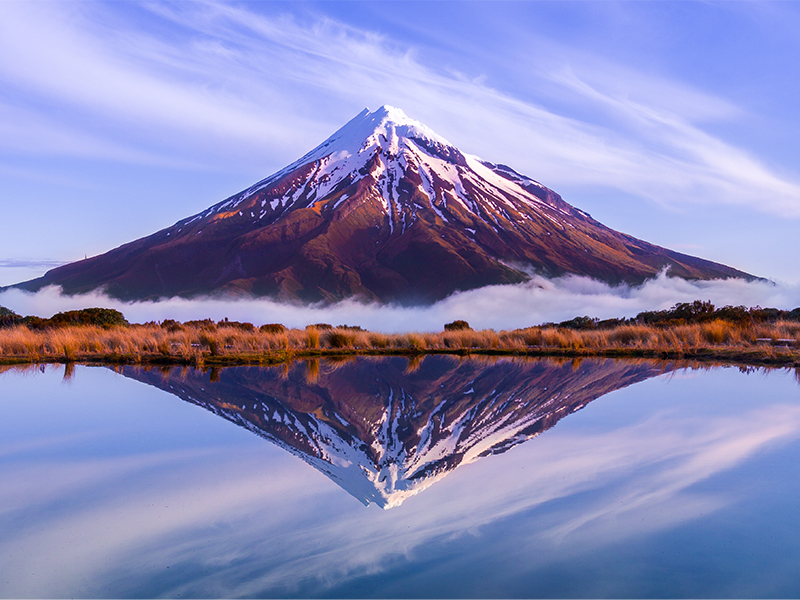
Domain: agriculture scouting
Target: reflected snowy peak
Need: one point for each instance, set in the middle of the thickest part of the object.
(385, 429)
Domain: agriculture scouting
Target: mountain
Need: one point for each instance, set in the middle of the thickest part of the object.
(386, 429)
(384, 210)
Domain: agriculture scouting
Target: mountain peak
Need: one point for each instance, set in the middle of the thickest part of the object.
(383, 130)
(388, 116)
(383, 127)
(382, 146)
(384, 209)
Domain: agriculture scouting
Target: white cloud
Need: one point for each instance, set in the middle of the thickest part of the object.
(494, 307)
(226, 83)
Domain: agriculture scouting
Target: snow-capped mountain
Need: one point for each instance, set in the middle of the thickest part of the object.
(384, 209)
(385, 430)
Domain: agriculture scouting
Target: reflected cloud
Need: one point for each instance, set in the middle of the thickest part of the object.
(226, 523)
(676, 459)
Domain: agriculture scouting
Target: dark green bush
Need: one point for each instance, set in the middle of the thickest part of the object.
(202, 324)
(351, 327)
(579, 323)
(457, 326)
(610, 323)
(33, 322)
(766, 314)
(272, 328)
(8, 317)
(236, 325)
(100, 317)
(171, 325)
(735, 314)
(683, 312)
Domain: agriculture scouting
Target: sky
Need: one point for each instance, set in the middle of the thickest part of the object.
(675, 122)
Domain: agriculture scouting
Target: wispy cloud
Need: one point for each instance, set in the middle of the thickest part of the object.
(672, 142)
(218, 82)
(494, 307)
(21, 263)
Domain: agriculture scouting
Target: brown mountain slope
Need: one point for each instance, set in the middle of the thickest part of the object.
(384, 210)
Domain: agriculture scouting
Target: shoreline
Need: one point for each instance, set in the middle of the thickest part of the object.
(693, 331)
(785, 357)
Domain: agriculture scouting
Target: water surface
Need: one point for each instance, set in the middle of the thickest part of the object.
(384, 478)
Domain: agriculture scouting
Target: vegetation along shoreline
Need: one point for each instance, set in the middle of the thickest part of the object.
(696, 331)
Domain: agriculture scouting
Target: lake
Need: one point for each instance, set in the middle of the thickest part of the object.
(433, 477)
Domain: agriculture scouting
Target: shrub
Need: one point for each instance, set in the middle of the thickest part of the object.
(323, 326)
(8, 318)
(100, 317)
(693, 312)
(202, 324)
(457, 326)
(683, 312)
(351, 327)
(736, 314)
(610, 323)
(171, 325)
(236, 325)
(33, 322)
(272, 328)
(579, 323)
(766, 314)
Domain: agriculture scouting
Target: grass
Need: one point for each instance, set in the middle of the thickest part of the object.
(201, 344)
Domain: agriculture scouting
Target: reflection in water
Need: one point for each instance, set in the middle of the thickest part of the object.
(386, 428)
(680, 486)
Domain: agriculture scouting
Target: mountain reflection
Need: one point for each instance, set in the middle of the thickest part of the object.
(387, 428)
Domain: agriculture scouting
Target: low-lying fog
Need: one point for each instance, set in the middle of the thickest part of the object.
(496, 307)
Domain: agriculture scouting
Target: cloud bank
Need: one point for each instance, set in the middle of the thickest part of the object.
(495, 307)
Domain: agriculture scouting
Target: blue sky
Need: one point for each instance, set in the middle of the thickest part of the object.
(676, 122)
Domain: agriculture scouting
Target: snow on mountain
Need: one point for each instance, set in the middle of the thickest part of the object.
(385, 210)
(390, 148)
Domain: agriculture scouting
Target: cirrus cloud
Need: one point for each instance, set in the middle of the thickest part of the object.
(217, 83)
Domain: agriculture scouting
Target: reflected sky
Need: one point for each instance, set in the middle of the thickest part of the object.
(679, 484)
(385, 429)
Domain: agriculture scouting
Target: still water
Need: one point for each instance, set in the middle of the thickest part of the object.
(394, 478)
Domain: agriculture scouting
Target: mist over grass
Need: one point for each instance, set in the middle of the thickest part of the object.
(495, 307)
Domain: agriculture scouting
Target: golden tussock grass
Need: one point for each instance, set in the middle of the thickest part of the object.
(190, 344)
